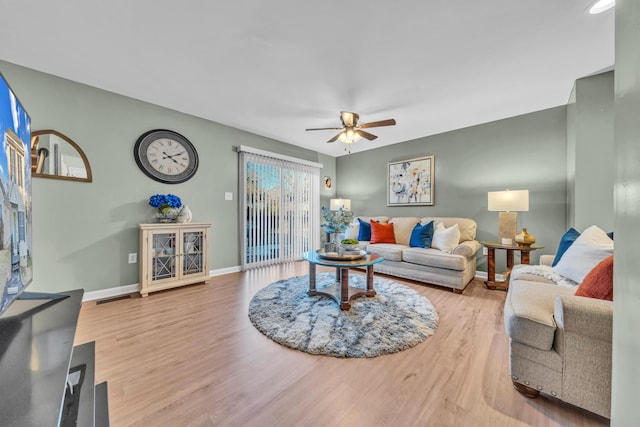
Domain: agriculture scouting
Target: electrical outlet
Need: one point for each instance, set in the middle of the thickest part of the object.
(133, 258)
(485, 251)
(228, 195)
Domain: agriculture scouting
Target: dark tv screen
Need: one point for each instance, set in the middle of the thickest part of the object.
(16, 266)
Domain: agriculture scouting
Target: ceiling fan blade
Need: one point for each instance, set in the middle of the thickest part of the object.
(366, 135)
(335, 138)
(389, 122)
(349, 119)
(323, 129)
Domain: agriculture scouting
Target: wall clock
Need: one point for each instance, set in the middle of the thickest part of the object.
(166, 156)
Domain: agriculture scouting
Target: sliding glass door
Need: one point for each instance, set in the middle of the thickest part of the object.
(280, 204)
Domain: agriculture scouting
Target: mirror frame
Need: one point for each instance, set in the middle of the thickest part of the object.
(34, 158)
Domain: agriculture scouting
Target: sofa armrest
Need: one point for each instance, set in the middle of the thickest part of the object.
(547, 259)
(467, 248)
(585, 316)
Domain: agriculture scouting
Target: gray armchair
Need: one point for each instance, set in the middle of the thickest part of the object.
(560, 343)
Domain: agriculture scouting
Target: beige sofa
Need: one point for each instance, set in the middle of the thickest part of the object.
(454, 270)
(560, 343)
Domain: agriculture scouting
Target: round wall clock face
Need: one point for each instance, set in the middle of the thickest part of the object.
(166, 156)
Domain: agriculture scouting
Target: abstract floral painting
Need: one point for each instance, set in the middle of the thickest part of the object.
(410, 182)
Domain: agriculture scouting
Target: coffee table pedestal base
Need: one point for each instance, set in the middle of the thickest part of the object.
(340, 290)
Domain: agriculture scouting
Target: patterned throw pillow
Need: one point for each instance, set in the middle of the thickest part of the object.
(382, 233)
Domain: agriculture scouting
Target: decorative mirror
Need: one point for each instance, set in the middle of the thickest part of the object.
(54, 155)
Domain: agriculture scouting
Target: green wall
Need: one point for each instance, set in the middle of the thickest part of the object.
(523, 152)
(82, 233)
(590, 171)
(626, 289)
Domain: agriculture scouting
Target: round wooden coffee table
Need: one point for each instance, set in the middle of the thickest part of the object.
(340, 290)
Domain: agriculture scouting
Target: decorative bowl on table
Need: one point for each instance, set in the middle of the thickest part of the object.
(349, 246)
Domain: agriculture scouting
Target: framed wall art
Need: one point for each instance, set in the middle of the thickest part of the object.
(327, 182)
(410, 182)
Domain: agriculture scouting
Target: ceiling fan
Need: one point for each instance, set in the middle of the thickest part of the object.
(352, 131)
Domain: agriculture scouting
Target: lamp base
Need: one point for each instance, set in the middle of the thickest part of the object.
(507, 225)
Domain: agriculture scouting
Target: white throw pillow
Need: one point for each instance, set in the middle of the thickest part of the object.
(446, 239)
(591, 247)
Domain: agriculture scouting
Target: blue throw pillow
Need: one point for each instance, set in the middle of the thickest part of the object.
(364, 233)
(421, 235)
(567, 240)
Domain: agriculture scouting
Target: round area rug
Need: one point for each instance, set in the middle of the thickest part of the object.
(396, 319)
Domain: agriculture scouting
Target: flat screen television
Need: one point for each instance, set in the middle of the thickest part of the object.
(16, 264)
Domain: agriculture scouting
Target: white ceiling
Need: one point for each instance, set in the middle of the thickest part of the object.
(277, 67)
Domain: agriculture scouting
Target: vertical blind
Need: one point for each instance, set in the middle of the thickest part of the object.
(280, 206)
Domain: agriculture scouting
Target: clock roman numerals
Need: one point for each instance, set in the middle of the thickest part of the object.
(166, 156)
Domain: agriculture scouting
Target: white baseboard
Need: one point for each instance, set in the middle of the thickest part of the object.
(110, 292)
(128, 289)
(227, 270)
(483, 276)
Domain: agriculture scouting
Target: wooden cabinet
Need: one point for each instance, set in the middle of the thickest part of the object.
(173, 255)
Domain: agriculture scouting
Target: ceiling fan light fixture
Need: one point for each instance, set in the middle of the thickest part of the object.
(349, 136)
(601, 6)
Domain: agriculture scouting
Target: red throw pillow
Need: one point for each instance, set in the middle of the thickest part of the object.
(599, 282)
(382, 233)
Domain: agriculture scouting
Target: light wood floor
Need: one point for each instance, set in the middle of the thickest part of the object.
(191, 357)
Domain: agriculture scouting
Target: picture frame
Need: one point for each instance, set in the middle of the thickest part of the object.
(327, 182)
(411, 182)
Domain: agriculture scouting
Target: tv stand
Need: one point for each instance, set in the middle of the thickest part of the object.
(36, 348)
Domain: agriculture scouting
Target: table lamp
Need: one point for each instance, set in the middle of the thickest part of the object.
(336, 204)
(508, 203)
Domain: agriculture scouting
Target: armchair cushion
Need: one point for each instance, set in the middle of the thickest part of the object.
(599, 282)
(584, 254)
(566, 240)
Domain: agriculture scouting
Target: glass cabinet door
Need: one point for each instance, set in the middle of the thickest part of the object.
(192, 251)
(164, 256)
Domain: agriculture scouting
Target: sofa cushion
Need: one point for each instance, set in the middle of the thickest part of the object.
(566, 240)
(364, 232)
(434, 258)
(421, 235)
(354, 227)
(584, 254)
(528, 312)
(390, 251)
(599, 282)
(467, 226)
(382, 233)
(402, 228)
(446, 240)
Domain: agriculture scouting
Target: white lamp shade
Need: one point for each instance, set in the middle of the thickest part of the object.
(508, 201)
(336, 204)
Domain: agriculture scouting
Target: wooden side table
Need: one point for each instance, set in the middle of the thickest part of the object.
(525, 251)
